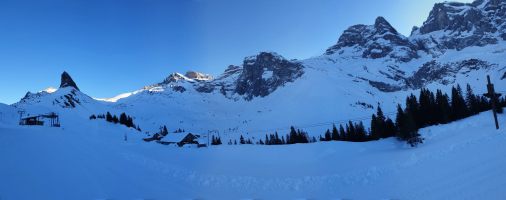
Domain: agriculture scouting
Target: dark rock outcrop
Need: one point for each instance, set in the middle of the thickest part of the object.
(443, 73)
(66, 81)
(431, 72)
(376, 41)
(264, 73)
(384, 87)
(465, 24)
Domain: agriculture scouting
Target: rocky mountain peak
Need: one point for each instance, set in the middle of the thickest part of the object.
(454, 25)
(375, 41)
(264, 73)
(174, 77)
(66, 81)
(382, 26)
(449, 16)
(198, 76)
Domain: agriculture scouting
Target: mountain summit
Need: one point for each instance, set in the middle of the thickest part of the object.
(66, 81)
(375, 41)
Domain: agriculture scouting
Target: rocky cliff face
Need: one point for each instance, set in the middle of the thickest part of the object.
(450, 25)
(259, 76)
(66, 81)
(433, 71)
(453, 25)
(376, 41)
(264, 73)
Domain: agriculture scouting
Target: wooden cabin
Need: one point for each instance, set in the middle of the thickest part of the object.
(32, 121)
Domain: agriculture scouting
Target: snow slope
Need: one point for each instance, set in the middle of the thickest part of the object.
(462, 160)
(8, 114)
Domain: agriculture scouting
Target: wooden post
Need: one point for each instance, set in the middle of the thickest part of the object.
(493, 98)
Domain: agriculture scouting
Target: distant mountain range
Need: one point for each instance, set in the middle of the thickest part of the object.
(459, 43)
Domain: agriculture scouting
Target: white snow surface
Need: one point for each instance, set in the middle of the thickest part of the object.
(91, 160)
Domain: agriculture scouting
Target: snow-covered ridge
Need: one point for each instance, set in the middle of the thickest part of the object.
(118, 97)
(49, 90)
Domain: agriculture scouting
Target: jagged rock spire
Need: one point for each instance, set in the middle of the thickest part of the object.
(382, 26)
(66, 81)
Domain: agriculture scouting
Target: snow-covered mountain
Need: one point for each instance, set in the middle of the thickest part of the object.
(459, 43)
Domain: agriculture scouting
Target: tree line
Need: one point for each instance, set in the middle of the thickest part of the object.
(123, 119)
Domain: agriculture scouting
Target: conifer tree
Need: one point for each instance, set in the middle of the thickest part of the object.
(380, 123)
(413, 107)
(374, 128)
(335, 133)
(123, 119)
(399, 122)
(472, 101)
(390, 128)
(458, 105)
(276, 138)
(425, 108)
(115, 119)
(242, 140)
(407, 128)
(291, 138)
(361, 133)
(108, 117)
(164, 131)
(327, 136)
(342, 133)
(351, 132)
(443, 111)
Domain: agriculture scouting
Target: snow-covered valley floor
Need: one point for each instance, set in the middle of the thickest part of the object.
(462, 160)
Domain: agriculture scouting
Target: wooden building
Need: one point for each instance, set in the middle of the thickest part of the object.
(32, 121)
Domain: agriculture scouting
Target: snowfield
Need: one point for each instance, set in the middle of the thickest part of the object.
(462, 160)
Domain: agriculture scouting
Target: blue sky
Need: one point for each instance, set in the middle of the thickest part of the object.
(110, 47)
